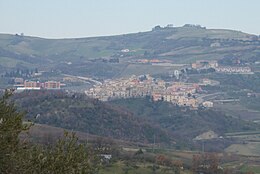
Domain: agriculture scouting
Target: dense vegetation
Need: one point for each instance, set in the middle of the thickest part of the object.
(65, 156)
(139, 120)
(68, 156)
(183, 122)
(77, 112)
(239, 81)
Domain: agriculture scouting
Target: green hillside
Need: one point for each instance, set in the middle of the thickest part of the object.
(134, 120)
(79, 113)
(184, 123)
(179, 44)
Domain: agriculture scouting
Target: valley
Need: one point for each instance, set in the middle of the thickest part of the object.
(158, 100)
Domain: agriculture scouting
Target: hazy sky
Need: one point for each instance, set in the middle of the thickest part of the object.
(84, 18)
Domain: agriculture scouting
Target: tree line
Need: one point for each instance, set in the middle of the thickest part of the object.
(68, 156)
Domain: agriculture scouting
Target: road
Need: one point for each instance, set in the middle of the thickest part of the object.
(208, 96)
(84, 78)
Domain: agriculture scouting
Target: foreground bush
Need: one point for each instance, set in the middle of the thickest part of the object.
(65, 156)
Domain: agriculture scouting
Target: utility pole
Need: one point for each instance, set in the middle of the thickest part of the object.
(203, 146)
(87, 137)
(153, 142)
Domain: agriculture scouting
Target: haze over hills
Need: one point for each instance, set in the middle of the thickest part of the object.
(113, 87)
(182, 88)
(179, 44)
(108, 57)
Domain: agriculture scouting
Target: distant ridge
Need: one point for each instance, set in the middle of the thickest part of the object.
(179, 44)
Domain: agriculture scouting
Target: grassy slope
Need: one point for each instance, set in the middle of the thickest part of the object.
(180, 44)
(72, 49)
(184, 32)
(12, 62)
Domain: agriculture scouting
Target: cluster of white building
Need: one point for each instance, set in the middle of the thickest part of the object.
(234, 70)
(205, 64)
(178, 93)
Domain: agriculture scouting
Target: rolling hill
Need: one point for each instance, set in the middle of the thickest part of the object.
(183, 123)
(132, 120)
(79, 113)
(83, 55)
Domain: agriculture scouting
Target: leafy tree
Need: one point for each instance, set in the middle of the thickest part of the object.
(66, 156)
(10, 127)
(206, 163)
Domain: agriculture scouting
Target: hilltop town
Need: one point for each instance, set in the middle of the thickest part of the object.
(173, 91)
(176, 91)
(179, 93)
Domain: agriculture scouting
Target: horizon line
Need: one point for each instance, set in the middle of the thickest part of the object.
(119, 34)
